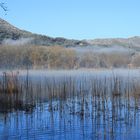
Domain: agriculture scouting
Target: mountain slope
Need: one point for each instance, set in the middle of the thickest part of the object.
(124, 42)
(9, 32)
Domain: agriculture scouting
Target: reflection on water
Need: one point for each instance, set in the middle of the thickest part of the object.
(70, 105)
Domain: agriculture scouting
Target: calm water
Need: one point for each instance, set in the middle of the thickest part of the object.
(73, 105)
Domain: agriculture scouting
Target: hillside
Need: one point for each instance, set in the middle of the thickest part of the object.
(133, 42)
(9, 33)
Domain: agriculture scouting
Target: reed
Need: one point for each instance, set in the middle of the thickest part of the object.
(106, 101)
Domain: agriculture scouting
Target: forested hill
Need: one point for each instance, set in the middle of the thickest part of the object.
(10, 34)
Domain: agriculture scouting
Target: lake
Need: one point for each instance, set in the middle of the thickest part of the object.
(70, 105)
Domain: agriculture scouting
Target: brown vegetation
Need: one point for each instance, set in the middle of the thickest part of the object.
(57, 57)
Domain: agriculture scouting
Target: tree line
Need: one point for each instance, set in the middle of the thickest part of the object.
(57, 57)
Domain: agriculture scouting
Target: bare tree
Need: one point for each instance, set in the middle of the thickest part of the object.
(3, 6)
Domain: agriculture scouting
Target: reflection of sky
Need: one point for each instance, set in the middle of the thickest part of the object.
(42, 124)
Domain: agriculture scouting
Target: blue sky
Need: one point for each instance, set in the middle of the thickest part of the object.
(77, 19)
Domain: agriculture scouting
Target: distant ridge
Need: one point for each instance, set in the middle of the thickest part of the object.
(124, 42)
(10, 32)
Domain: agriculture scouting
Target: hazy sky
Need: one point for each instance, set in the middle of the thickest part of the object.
(78, 19)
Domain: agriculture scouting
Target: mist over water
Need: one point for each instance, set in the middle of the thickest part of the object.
(17, 42)
(102, 49)
(75, 104)
(55, 88)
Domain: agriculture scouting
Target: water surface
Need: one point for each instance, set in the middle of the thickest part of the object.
(71, 105)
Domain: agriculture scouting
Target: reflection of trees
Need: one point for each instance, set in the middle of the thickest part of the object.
(98, 107)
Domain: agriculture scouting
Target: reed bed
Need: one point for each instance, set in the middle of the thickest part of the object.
(107, 102)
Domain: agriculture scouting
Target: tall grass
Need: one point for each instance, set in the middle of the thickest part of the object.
(106, 101)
